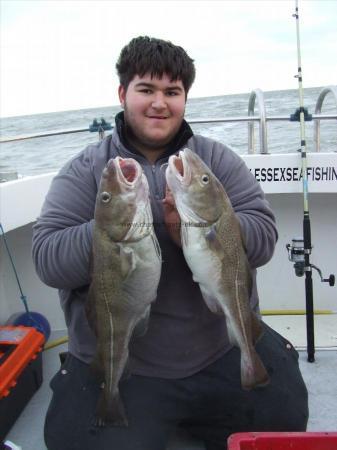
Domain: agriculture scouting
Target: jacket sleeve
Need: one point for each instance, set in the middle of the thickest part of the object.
(62, 235)
(250, 205)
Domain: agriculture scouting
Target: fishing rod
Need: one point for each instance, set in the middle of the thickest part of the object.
(300, 250)
(306, 217)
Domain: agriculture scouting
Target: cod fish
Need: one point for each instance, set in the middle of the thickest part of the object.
(214, 250)
(126, 268)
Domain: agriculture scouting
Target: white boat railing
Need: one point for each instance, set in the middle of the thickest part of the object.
(262, 119)
(257, 94)
(318, 108)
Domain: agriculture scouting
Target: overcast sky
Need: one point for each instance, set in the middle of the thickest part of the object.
(60, 55)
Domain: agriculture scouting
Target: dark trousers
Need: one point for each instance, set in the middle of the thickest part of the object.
(210, 404)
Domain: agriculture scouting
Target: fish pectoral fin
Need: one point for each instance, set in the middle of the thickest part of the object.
(128, 261)
(213, 240)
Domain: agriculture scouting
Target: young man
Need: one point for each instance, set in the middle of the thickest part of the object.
(184, 370)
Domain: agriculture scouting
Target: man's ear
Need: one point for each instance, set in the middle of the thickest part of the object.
(121, 95)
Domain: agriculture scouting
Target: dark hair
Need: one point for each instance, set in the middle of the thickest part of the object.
(145, 55)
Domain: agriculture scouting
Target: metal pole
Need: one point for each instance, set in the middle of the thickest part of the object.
(306, 217)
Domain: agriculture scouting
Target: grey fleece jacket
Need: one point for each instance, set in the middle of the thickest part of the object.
(183, 335)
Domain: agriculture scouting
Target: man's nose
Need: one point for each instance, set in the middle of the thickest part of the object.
(159, 101)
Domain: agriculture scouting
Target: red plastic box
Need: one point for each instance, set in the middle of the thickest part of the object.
(283, 441)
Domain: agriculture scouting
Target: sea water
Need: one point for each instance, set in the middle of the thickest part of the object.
(48, 154)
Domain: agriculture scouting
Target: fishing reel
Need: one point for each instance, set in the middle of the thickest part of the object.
(296, 253)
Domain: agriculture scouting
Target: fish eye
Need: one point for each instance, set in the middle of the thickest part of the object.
(105, 197)
(205, 179)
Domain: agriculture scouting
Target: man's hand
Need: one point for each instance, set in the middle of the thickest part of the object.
(171, 217)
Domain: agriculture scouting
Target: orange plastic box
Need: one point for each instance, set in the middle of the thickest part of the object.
(283, 441)
(18, 346)
(20, 371)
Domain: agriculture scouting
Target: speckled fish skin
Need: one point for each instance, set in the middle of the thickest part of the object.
(214, 250)
(126, 268)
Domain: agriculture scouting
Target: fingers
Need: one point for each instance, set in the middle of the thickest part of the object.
(171, 217)
(169, 199)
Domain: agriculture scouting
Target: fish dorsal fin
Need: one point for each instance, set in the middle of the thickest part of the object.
(128, 262)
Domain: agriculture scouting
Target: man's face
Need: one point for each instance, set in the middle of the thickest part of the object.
(153, 109)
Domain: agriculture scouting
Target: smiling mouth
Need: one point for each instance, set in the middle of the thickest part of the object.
(157, 117)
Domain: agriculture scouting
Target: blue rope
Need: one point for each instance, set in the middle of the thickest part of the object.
(22, 296)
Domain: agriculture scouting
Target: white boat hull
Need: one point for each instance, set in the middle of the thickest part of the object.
(279, 288)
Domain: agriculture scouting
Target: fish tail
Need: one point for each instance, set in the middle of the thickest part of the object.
(253, 371)
(110, 412)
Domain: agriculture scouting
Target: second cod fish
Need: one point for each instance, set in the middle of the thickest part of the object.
(214, 250)
(125, 276)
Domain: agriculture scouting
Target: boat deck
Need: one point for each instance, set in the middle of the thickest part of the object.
(320, 378)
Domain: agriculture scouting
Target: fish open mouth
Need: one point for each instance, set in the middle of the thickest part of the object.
(179, 165)
(179, 168)
(128, 170)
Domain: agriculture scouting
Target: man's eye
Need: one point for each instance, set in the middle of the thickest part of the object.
(172, 93)
(146, 91)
